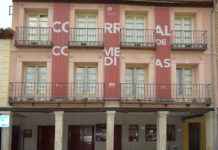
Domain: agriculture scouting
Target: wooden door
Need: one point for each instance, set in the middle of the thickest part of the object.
(194, 136)
(81, 138)
(46, 137)
(118, 137)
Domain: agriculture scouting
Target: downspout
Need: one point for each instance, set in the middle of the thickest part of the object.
(213, 56)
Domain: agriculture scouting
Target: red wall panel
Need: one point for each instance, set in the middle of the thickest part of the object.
(60, 63)
(163, 52)
(112, 72)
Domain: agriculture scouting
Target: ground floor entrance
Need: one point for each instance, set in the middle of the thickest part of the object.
(93, 131)
(194, 136)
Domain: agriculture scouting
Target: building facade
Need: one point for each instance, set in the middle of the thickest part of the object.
(5, 47)
(111, 75)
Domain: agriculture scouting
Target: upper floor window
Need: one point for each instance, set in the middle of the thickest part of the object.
(35, 79)
(85, 81)
(134, 86)
(184, 79)
(86, 27)
(135, 21)
(36, 28)
(134, 27)
(37, 20)
(183, 29)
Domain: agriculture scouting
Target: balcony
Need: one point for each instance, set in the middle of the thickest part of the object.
(42, 92)
(86, 37)
(30, 92)
(138, 38)
(189, 40)
(33, 37)
(187, 94)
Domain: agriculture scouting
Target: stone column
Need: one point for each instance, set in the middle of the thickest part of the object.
(210, 120)
(59, 130)
(110, 130)
(6, 133)
(162, 130)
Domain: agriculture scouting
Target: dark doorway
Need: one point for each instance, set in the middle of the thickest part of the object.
(118, 137)
(46, 137)
(81, 138)
(194, 136)
(15, 145)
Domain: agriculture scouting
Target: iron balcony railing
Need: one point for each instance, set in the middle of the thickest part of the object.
(179, 93)
(33, 37)
(137, 38)
(32, 91)
(194, 93)
(86, 37)
(189, 39)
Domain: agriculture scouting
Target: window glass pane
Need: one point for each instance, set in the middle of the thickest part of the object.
(129, 75)
(139, 75)
(30, 74)
(92, 74)
(36, 80)
(184, 81)
(150, 133)
(80, 74)
(87, 24)
(135, 25)
(133, 133)
(183, 25)
(37, 34)
(86, 81)
(134, 86)
(42, 74)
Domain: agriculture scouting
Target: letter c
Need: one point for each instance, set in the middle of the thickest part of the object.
(63, 52)
(54, 51)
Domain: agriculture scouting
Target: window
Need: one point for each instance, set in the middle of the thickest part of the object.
(134, 83)
(151, 133)
(35, 79)
(134, 28)
(183, 29)
(100, 133)
(86, 134)
(184, 81)
(86, 27)
(133, 133)
(86, 82)
(171, 133)
(37, 27)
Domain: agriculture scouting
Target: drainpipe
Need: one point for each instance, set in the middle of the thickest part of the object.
(213, 56)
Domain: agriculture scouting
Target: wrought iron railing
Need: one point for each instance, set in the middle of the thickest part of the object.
(137, 38)
(32, 91)
(33, 37)
(179, 93)
(194, 93)
(86, 37)
(189, 39)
